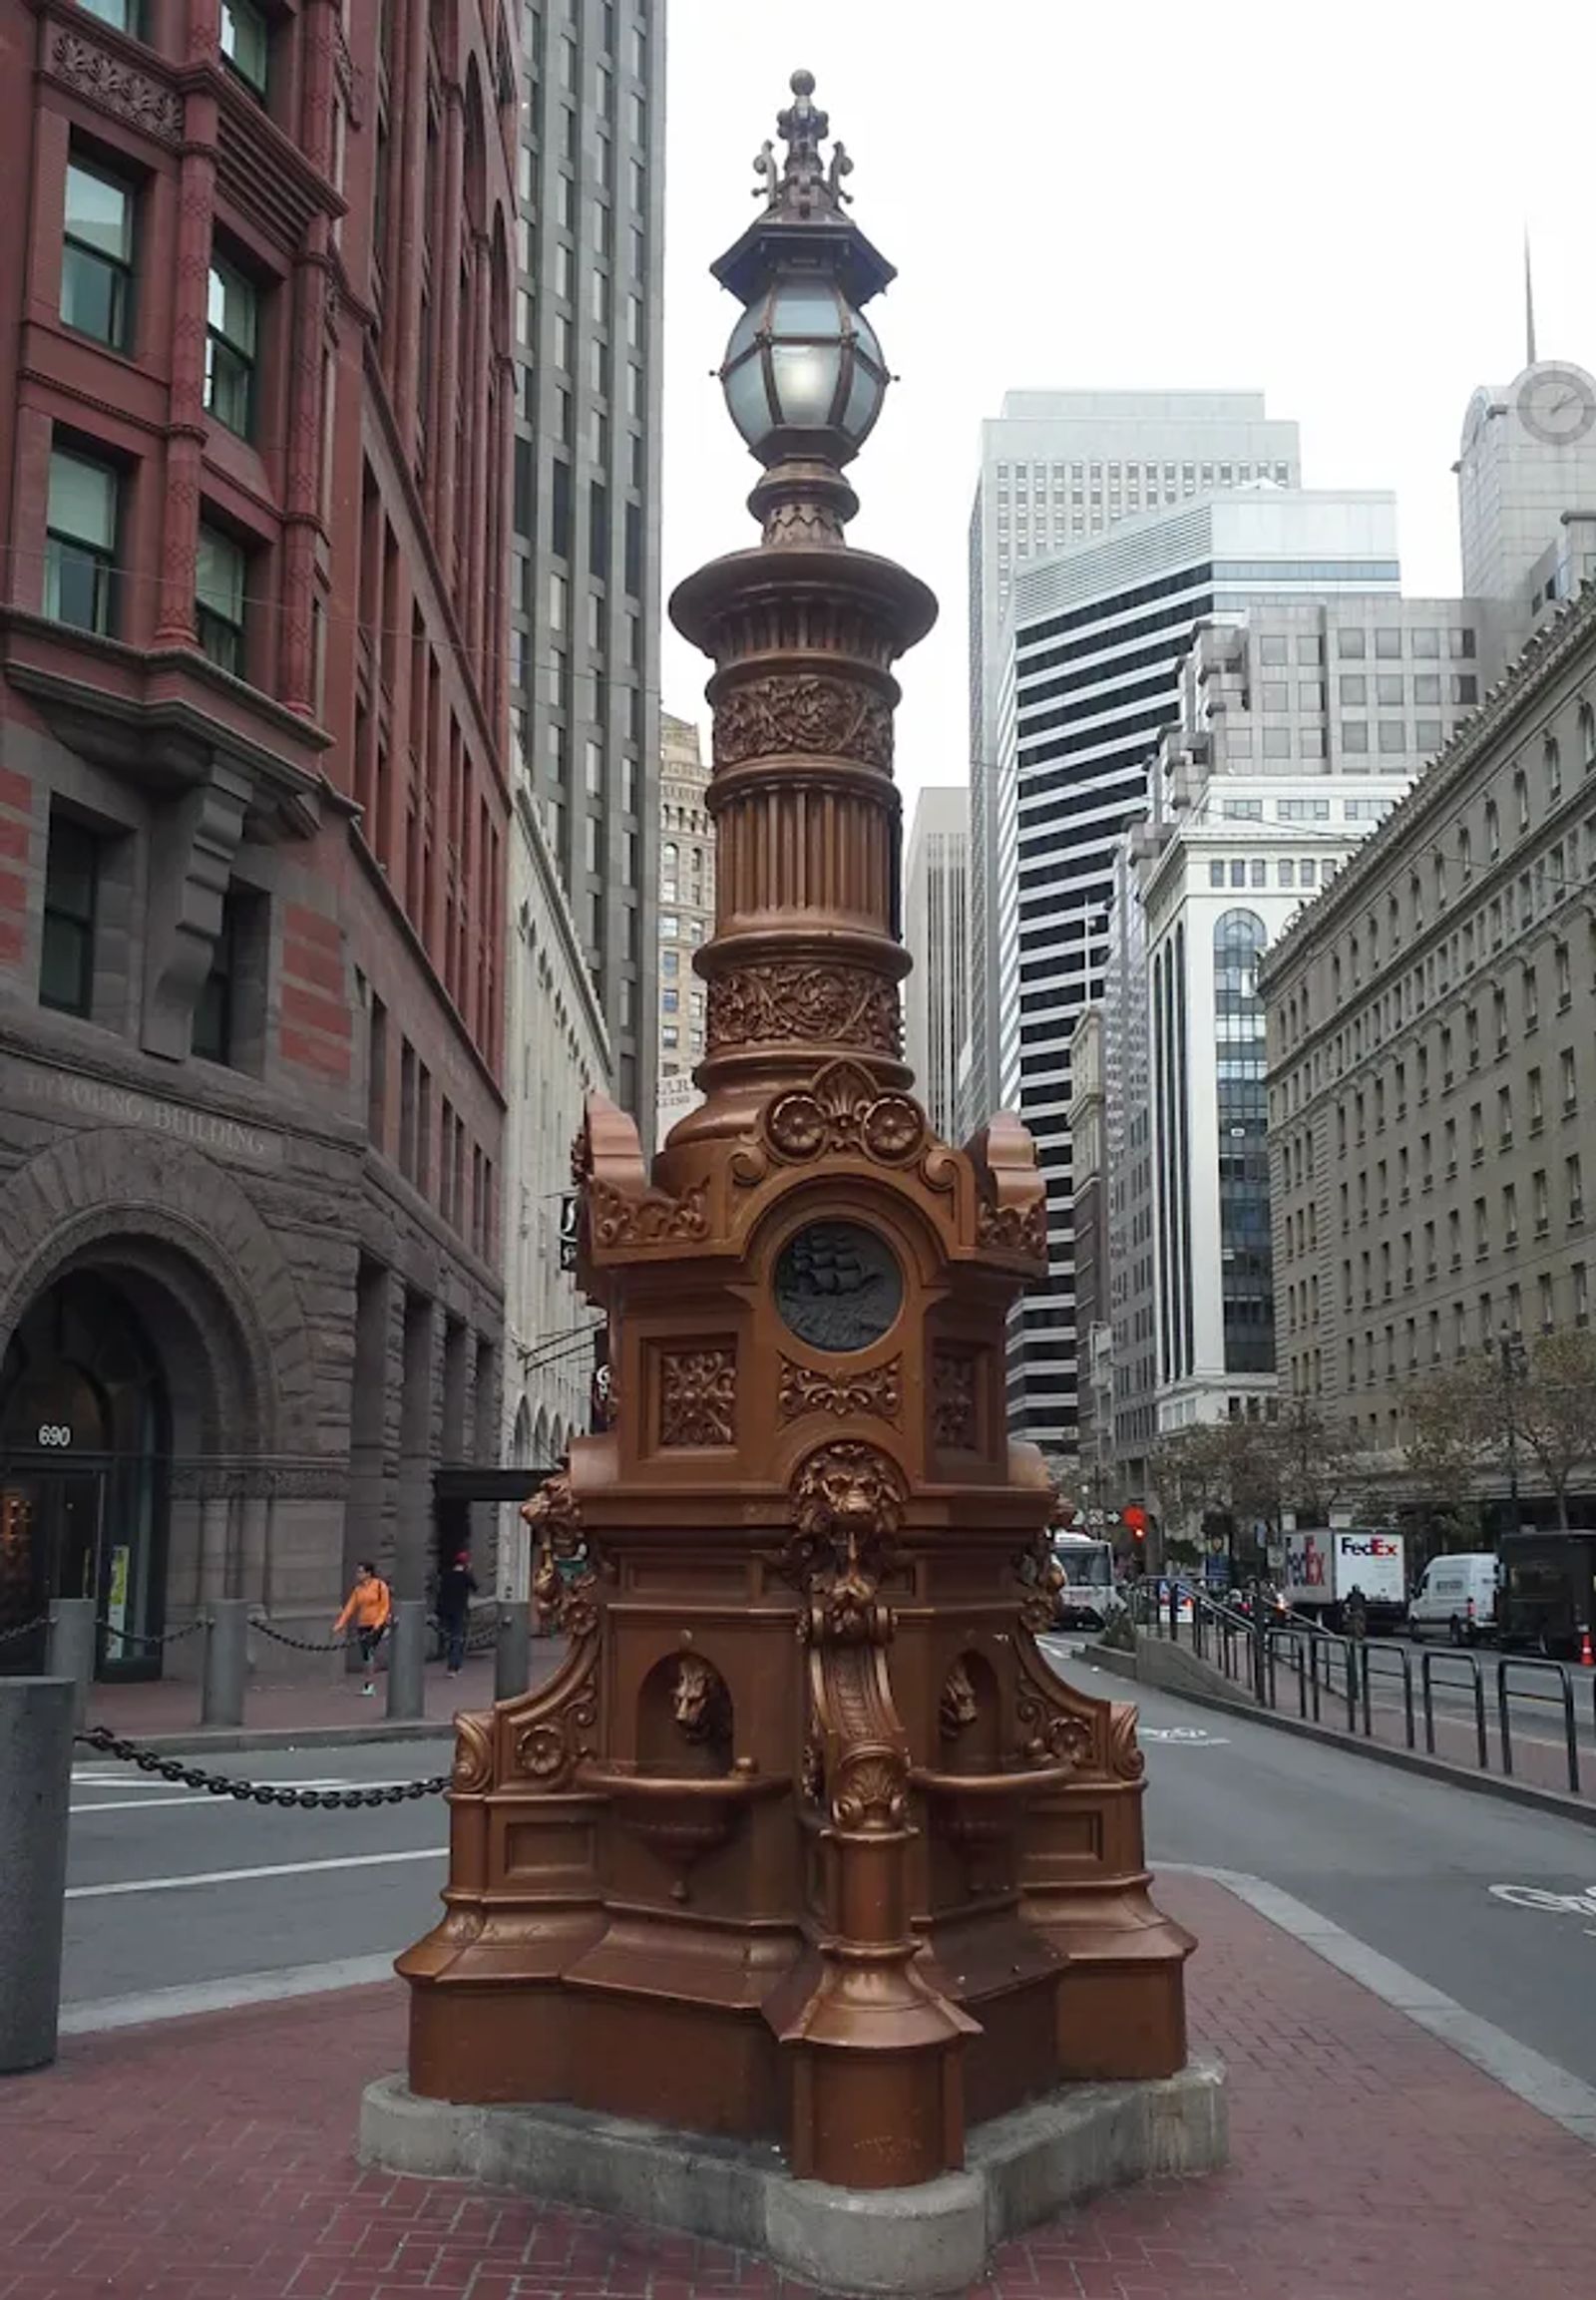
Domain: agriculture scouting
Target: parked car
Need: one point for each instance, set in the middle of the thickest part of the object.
(1456, 1598)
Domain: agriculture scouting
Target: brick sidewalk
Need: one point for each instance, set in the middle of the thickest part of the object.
(274, 1702)
(210, 2159)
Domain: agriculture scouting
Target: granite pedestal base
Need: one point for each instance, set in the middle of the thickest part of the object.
(1019, 2168)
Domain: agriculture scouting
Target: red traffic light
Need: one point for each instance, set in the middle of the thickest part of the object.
(1136, 1520)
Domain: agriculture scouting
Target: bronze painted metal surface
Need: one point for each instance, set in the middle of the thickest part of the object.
(805, 1841)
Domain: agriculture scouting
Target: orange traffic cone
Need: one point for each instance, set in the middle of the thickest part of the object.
(1587, 1658)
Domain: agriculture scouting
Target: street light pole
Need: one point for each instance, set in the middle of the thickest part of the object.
(1510, 1361)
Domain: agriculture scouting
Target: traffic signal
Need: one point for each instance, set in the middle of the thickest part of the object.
(1134, 1519)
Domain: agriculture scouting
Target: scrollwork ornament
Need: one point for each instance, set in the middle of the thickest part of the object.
(870, 1794)
(1125, 1761)
(650, 1220)
(698, 1398)
(104, 80)
(812, 712)
(848, 1006)
(1013, 1229)
(472, 1770)
(806, 1390)
(953, 1399)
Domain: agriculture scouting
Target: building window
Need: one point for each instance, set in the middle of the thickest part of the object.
(122, 15)
(1576, 1188)
(96, 256)
(81, 542)
(71, 886)
(219, 600)
(211, 1036)
(231, 315)
(246, 43)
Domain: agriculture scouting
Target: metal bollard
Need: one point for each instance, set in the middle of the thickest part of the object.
(36, 1729)
(512, 1661)
(71, 1650)
(226, 1663)
(407, 1652)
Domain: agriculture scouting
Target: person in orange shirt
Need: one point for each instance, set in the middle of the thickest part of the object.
(370, 1607)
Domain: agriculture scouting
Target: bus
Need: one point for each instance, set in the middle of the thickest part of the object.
(1088, 1596)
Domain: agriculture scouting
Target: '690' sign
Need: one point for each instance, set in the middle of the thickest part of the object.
(55, 1433)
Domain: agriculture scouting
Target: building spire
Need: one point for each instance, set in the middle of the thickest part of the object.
(1529, 305)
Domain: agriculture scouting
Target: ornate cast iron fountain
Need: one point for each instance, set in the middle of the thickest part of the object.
(805, 1841)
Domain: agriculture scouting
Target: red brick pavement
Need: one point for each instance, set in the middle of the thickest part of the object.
(278, 1703)
(210, 2159)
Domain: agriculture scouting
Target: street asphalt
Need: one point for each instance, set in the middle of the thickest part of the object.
(1405, 1864)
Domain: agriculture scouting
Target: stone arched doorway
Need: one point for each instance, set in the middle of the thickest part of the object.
(121, 1380)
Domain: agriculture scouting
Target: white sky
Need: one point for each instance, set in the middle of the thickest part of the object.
(1325, 202)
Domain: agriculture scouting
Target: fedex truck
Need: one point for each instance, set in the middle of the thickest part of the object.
(1324, 1565)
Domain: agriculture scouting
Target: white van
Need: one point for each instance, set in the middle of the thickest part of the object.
(1456, 1599)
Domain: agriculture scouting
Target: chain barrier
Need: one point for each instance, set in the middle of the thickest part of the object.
(25, 1629)
(151, 1638)
(299, 1643)
(109, 1744)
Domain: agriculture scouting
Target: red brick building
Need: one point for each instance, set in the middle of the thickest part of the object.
(255, 407)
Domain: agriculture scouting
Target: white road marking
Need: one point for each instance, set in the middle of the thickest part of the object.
(1557, 1904)
(1183, 1737)
(244, 1876)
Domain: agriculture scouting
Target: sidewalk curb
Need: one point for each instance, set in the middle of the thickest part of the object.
(1508, 1790)
(1553, 2091)
(231, 1741)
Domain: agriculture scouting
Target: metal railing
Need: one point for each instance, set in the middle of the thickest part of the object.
(1357, 1684)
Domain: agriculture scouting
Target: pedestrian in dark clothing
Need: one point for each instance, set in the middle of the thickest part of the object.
(456, 1586)
(1357, 1614)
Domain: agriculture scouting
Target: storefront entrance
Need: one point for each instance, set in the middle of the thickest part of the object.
(85, 1459)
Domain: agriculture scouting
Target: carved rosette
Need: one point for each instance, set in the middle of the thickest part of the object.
(549, 1746)
(1053, 1735)
(806, 1390)
(953, 1399)
(810, 711)
(766, 1004)
(843, 1111)
(698, 1398)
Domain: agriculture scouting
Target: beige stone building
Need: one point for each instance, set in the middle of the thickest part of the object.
(686, 911)
(1431, 1040)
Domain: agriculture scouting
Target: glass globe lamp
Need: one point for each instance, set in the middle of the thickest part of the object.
(803, 372)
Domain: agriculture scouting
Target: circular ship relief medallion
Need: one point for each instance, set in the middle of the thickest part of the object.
(837, 1286)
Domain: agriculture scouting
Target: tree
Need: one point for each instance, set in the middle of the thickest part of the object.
(1553, 1407)
(1453, 1419)
(1314, 1459)
(1228, 1469)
